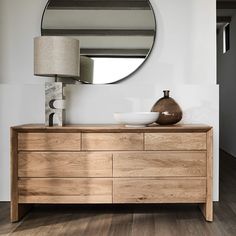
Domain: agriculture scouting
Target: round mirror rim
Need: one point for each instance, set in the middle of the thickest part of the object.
(139, 67)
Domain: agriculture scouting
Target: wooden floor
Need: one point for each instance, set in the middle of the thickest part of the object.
(163, 220)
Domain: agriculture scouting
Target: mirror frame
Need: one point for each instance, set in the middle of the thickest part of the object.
(138, 68)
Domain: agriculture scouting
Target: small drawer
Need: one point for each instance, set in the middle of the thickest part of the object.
(112, 141)
(64, 164)
(159, 164)
(159, 191)
(49, 141)
(175, 141)
(69, 190)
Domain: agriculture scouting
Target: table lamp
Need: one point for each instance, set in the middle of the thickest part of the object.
(58, 57)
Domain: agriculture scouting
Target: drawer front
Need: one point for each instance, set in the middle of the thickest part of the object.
(45, 190)
(49, 141)
(175, 141)
(159, 191)
(159, 164)
(112, 141)
(64, 164)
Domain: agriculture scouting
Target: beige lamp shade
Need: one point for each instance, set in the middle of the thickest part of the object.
(56, 56)
(86, 69)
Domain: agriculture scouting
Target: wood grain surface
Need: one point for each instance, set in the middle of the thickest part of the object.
(175, 141)
(159, 164)
(159, 190)
(190, 128)
(49, 141)
(65, 164)
(207, 208)
(65, 190)
(112, 141)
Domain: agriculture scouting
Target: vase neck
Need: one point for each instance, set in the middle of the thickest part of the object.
(166, 93)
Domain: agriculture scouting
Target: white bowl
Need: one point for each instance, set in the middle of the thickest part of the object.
(136, 119)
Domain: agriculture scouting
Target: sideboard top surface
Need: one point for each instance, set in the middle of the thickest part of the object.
(113, 128)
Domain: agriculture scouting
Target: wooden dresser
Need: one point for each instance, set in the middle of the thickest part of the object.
(111, 164)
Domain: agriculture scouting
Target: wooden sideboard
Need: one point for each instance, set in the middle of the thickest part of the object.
(110, 165)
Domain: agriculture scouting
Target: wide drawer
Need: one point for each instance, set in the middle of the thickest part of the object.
(175, 141)
(46, 190)
(64, 164)
(112, 141)
(159, 164)
(49, 141)
(159, 190)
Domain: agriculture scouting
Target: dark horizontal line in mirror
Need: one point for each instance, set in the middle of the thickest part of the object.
(115, 56)
(226, 5)
(224, 19)
(100, 4)
(110, 52)
(100, 32)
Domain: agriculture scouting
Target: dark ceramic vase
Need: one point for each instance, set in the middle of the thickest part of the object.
(170, 111)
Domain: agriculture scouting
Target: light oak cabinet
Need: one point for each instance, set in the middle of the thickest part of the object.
(111, 164)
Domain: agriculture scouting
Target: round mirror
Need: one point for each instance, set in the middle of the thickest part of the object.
(116, 36)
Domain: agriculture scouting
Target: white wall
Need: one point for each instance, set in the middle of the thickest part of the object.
(227, 82)
(183, 60)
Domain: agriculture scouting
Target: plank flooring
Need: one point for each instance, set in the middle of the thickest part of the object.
(131, 220)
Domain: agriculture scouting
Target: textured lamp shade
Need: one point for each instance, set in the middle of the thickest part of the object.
(56, 56)
(86, 69)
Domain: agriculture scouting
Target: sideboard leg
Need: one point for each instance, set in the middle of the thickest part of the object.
(207, 210)
(18, 211)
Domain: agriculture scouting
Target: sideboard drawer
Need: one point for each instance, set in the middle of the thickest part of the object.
(49, 141)
(69, 190)
(112, 141)
(64, 164)
(159, 164)
(159, 190)
(175, 141)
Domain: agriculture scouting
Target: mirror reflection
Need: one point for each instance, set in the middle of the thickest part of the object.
(116, 36)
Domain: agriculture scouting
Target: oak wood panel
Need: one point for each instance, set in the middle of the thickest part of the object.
(64, 164)
(159, 190)
(17, 210)
(114, 128)
(70, 190)
(112, 141)
(159, 164)
(207, 208)
(209, 200)
(175, 141)
(14, 177)
(49, 141)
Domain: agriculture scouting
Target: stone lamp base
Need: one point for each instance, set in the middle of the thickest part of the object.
(54, 104)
